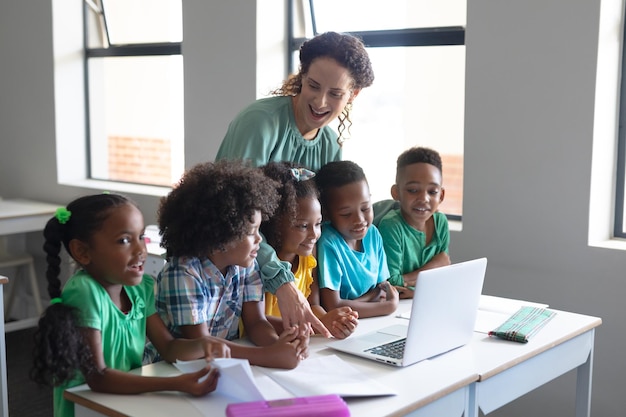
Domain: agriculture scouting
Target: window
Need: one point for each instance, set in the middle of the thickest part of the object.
(134, 90)
(417, 99)
(606, 227)
(620, 180)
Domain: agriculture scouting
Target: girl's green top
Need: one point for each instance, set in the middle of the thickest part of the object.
(123, 335)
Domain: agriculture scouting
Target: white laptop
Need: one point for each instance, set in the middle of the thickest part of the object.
(442, 318)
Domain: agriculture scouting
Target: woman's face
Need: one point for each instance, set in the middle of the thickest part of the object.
(326, 89)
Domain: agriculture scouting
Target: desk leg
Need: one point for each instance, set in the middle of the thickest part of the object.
(80, 411)
(4, 398)
(583, 384)
(472, 403)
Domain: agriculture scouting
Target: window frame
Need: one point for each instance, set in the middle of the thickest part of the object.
(620, 177)
(127, 50)
(429, 36)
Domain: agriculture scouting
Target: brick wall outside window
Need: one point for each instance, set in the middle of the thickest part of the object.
(140, 160)
(453, 183)
(147, 161)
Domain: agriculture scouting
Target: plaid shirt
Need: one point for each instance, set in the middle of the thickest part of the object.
(192, 291)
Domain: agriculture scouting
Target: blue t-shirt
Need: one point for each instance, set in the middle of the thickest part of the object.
(350, 272)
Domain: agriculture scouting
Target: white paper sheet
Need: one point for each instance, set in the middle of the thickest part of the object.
(235, 380)
(492, 310)
(207, 404)
(328, 375)
(504, 305)
(486, 321)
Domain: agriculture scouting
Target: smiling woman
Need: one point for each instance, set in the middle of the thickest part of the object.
(293, 127)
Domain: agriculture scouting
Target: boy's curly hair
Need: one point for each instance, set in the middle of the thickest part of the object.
(290, 190)
(416, 155)
(337, 174)
(213, 205)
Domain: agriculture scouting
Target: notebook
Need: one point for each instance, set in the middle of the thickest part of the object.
(442, 318)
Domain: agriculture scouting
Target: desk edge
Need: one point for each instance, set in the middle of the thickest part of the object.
(92, 405)
(591, 326)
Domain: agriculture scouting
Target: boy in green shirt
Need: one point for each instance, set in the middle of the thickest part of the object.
(415, 236)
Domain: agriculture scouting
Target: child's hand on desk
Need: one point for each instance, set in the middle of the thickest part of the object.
(405, 292)
(391, 294)
(198, 383)
(215, 348)
(376, 294)
(290, 348)
(341, 321)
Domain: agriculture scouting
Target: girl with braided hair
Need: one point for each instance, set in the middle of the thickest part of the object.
(96, 325)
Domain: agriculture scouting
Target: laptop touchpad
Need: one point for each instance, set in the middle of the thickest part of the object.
(399, 330)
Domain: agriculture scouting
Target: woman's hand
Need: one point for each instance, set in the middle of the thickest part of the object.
(296, 311)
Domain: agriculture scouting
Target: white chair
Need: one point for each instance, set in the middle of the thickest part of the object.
(25, 266)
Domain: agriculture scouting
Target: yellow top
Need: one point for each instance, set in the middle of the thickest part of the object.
(303, 279)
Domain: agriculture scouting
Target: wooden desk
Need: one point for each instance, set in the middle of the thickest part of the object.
(432, 388)
(508, 370)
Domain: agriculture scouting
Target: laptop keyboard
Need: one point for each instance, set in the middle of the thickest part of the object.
(393, 349)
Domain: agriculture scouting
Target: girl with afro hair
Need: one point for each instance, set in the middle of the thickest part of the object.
(293, 231)
(210, 229)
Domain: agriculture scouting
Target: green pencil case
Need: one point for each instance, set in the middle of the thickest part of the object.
(523, 324)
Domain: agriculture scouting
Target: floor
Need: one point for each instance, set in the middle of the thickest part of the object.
(25, 397)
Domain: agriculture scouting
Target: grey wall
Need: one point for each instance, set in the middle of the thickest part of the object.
(529, 120)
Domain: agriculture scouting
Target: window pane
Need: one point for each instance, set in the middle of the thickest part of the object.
(417, 99)
(143, 21)
(621, 194)
(361, 15)
(96, 32)
(136, 119)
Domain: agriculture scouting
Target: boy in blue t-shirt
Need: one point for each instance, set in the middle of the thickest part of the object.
(351, 259)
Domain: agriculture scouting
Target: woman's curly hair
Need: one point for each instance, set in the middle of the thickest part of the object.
(290, 190)
(60, 350)
(349, 52)
(213, 205)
